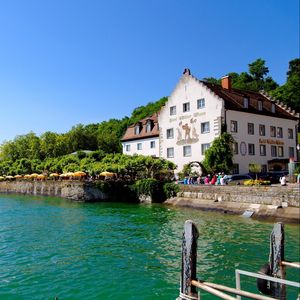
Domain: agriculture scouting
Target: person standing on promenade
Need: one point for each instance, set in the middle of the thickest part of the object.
(282, 180)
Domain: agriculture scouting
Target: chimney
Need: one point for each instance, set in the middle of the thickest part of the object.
(226, 82)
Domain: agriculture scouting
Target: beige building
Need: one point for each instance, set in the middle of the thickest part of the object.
(196, 113)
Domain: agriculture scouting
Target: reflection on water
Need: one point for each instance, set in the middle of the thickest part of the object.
(51, 247)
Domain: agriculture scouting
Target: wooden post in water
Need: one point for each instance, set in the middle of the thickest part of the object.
(278, 290)
(188, 262)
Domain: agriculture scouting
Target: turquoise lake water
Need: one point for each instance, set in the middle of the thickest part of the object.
(52, 247)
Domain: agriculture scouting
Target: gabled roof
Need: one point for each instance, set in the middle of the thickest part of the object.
(130, 134)
(234, 100)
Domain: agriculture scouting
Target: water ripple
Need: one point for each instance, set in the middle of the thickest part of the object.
(51, 247)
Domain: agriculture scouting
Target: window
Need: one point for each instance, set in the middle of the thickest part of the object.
(233, 126)
(235, 148)
(260, 105)
(279, 132)
(262, 130)
(172, 110)
(201, 103)
(235, 169)
(262, 150)
(170, 152)
(186, 107)
(204, 147)
(264, 168)
(273, 151)
(139, 146)
(251, 149)
(250, 128)
(152, 144)
(137, 129)
(127, 148)
(149, 126)
(291, 152)
(246, 102)
(170, 133)
(187, 151)
(205, 127)
(280, 151)
(272, 131)
(273, 108)
(290, 133)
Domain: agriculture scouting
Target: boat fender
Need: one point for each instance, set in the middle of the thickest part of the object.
(263, 285)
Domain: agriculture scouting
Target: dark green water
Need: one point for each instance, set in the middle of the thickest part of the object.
(51, 247)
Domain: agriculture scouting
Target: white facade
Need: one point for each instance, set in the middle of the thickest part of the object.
(195, 124)
(261, 138)
(147, 146)
(194, 115)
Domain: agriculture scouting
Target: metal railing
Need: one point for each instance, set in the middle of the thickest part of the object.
(275, 277)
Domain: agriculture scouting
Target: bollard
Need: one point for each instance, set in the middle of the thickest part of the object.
(278, 290)
(189, 262)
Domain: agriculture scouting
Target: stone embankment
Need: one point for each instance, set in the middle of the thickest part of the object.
(73, 190)
(259, 201)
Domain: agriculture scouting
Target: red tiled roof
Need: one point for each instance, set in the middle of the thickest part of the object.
(234, 100)
(130, 134)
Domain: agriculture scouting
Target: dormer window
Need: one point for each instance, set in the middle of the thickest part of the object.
(246, 102)
(149, 125)
(273, 108)
(260, 105)
(137, 129)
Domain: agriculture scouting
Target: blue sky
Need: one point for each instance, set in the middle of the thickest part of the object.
(66, 62)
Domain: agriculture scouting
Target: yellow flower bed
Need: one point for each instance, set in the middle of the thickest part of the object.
(257, 182)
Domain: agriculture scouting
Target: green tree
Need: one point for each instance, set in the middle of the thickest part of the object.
(255, 168)
(142, 112)
(218, 158)
(255, 79)
(109, 135)
(289, 93)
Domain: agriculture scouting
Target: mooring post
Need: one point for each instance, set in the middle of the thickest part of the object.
(278, 290)
(188, 262)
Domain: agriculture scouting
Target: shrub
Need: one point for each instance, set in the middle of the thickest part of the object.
(171, 189)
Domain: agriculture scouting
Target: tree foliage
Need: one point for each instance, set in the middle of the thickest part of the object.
(289, 93)
(218, 158)
(256, 79)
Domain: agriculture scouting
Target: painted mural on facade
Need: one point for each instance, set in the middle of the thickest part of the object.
(187, 132)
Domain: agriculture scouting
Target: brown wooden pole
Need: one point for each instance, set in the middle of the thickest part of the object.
(278, 290)
(189, 261)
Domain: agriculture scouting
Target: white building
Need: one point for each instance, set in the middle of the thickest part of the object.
(142, 138)
(196, 113)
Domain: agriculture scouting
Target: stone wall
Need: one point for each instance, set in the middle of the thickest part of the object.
(73, 190)
(267, 195)
(274, 202)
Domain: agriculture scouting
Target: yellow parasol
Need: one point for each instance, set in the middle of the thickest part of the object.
(34, 175)
(79, 174)
(18, 176)
(27, 176)
(41, 176)
(69, 174)
(2, 178)
(107, 174)
(9, 177)
(54, 175)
